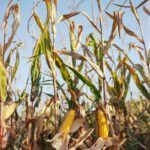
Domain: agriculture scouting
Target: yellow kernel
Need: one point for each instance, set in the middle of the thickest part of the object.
(103, 128)
(66, 125)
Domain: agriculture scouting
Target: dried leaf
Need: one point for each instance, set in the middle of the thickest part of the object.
(109, 4)
(80, 29)
(53, 12)
(98, 145)
(38, 128)
(16, 16)
(67, 16)
(73, 40)
(146, 10)
(123, 6)
(60, 142)
(111, 16)
(119, 16)
(142, 3)
(91, 22)
(15, 68)
(9, 57)
(9, 110)
(138, 82)
(133, 9)
(100, 10)
(76, 124)
(83, 136)
(133, 45)
(113, 31)
(131, 33)
(38, 21)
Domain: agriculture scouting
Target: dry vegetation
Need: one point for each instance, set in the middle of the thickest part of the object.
(87, 107)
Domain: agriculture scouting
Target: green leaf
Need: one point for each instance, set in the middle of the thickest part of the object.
(3, 82)
(23, 95)
(16, 65)
(35, 72)
(7, 62)
(85, 80)
(50, 95)
(143, 70)
(126, 84)
(64, 72)
(117, 85)
(93, 44)
(138, 82)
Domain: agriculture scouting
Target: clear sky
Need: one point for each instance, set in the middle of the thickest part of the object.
(62, 37)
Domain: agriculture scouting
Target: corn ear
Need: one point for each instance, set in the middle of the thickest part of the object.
(103, 128)
(66, 125)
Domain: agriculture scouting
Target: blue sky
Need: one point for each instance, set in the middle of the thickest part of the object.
(62, 37)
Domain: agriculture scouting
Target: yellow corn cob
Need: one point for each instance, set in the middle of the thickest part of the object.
(103, 128)
(65, 128)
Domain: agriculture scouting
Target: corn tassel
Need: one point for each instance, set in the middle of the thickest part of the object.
(103, 128)
(65, 128)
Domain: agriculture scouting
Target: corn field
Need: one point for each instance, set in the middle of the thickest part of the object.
(84, 69)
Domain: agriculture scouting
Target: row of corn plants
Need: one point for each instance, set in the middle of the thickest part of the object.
(89, 110)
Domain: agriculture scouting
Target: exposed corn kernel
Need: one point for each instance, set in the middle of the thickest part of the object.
(103, 128)
(65, 128)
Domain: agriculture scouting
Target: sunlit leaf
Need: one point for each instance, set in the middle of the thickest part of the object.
(3, 82)
(38, 21)
(9, 110)
(53, 12)
(77, 124)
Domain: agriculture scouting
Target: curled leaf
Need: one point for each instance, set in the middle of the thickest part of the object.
(133, 34)
(67, 16)
(146, 10)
